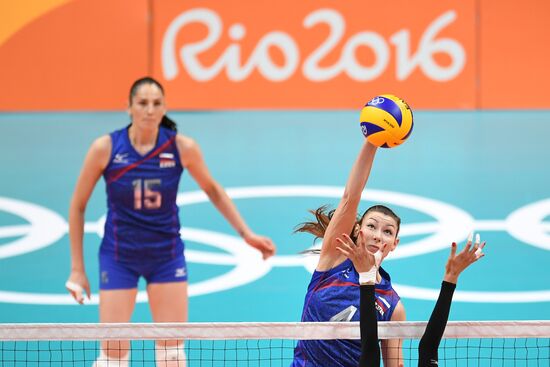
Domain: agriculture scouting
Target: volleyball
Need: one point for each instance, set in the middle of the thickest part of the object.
(386, 121)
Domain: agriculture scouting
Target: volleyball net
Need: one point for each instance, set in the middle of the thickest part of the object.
(493, 343)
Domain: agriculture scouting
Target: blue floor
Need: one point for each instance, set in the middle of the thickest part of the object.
(487, 171)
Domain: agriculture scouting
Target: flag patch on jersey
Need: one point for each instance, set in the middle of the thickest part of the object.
(166, 160)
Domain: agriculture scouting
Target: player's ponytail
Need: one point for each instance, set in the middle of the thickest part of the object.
(318, 226)
(168, 123)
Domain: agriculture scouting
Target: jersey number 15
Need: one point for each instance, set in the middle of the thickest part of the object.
(145, 196)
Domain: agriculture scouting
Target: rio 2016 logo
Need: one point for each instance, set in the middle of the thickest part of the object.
(526, 224)
(231, 62)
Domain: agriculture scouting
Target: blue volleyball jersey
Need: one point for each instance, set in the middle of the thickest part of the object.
(142, 217)
(333, 295)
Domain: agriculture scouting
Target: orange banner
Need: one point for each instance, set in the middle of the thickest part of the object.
(72, 55)
(515, 54)
(315, 54)
(259, 54)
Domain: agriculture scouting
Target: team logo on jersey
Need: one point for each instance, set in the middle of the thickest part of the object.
(180, 273)
(167, 160)
(121, 158)
(104, 277)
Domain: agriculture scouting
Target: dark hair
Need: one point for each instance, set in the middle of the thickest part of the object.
(384, 210)
(166, 121)
(323, 217)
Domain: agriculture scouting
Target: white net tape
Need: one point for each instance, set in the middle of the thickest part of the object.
(267, 330)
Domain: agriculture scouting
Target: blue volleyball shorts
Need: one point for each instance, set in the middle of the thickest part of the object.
(116, 274)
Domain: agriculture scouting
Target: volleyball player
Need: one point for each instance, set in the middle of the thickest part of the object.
(142, 164)
(333, 292)
(367, 264)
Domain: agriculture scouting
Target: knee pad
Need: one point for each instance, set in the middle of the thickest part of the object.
(170, 356)
(105, 361)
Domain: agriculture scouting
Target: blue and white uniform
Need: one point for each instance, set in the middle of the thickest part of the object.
(334, 295)
(142, 230)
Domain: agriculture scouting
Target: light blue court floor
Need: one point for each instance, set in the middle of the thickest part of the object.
(460, 171)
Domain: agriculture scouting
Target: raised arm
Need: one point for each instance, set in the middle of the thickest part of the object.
(95, 162)
(345, 214)
(191, 158)
(429, 344)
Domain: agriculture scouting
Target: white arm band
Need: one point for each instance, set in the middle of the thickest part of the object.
(368, 276)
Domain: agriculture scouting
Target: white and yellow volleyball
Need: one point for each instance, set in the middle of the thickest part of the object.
(386, 121)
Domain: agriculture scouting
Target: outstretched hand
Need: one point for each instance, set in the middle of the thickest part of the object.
(262, 244)
(458, 262)
(363, 260)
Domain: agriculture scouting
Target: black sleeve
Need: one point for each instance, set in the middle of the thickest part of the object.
(370, 350)
(427, 349)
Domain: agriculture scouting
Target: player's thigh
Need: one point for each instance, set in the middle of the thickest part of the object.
(168, 301)
(116, 305)
(118, 282)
